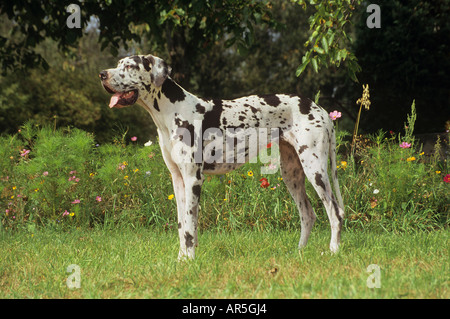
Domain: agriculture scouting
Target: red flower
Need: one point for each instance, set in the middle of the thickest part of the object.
(447, 178)
(269, 145)
(265, 182)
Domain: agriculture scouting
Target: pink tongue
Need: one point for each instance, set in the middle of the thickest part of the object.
(114, 100)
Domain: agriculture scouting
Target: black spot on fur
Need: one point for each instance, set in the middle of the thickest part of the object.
(136, 59)
(147, 87)
(146, 62)
(302, 148)
(189, 127)
(271, 100)
(336, 208)
(196, 190)
(189, 240)
(200, 109)
(319, 180)
(311, 117)
(254, 109)
(155, 104)
(212, 118)
(172, 91)
(305, 105)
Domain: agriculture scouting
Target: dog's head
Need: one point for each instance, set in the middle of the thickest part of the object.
(134, 75)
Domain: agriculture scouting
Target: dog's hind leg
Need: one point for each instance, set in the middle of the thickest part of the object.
(294, 178)
(314, 160)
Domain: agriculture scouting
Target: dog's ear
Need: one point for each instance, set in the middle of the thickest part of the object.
(159, 70)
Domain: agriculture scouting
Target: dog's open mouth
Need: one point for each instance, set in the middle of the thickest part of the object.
(121, 99)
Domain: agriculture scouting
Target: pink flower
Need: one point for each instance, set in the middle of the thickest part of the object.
(134, 138)
(66, 213)
(335, 115)
(76, 201)
(24, 152)
(45, 173)
(98, 199)
(405, 145)
(73, 172)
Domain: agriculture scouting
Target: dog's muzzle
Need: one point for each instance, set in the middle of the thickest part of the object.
(119, 99)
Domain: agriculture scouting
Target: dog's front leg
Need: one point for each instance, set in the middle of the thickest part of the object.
(193, 180)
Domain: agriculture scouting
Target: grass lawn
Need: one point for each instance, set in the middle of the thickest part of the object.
(142, 263)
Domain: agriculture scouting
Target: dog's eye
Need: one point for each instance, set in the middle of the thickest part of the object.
(127, 67)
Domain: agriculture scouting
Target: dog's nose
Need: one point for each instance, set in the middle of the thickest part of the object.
(103, 75)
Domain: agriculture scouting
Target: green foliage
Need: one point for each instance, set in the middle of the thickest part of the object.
(329, 42)
(392, 184)
(198, 24)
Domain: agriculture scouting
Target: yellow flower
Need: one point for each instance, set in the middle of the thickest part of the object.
(410, 159)
(37, 189)
(72, 214)
(125, 163)
(136, 170)
(91, 174)
(125, 177)
(438, 172)
(422, 153)
(343, 165)
(224, 199)
(14, 187)
(250, 173)
(171, 196)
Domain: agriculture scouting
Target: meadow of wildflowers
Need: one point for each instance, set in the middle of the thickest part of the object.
(62, 178)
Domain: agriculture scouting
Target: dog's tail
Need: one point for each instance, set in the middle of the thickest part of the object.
(334, 169)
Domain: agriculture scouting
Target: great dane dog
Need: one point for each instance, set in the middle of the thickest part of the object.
(188, 126)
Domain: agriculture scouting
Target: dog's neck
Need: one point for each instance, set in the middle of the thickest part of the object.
(170, 98)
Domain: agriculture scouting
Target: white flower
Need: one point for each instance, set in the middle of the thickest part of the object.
(148, 143)
(376, 191)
